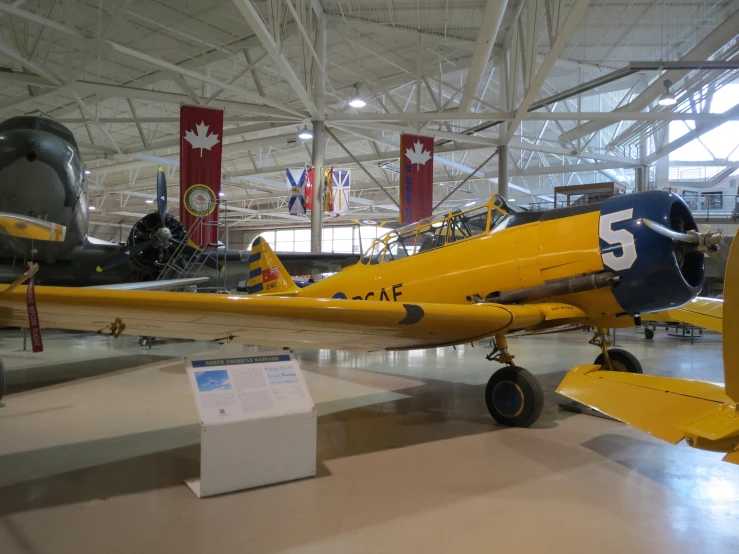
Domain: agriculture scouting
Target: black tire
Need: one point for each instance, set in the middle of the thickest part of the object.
(514, 397)
(621, 360)
(648, 333)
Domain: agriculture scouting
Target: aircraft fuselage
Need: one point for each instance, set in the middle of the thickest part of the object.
(531, 250)
(41, 175)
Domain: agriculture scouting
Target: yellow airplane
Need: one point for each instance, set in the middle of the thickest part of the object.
(672, 409)
(481, 271)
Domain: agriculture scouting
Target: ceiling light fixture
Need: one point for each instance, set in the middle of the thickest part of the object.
(221, 194)
(87, 171)
(668, 97)
(90, 207)
(357, 101)
(305, 134)
(149, 201)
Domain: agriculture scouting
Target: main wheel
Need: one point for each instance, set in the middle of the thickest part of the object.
(621, 360)
(514, 397)
(648, 333)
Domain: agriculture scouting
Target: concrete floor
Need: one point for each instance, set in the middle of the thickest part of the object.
(98, 435)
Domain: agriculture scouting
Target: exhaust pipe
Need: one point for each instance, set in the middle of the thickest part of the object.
(554, 288)
(708, 242)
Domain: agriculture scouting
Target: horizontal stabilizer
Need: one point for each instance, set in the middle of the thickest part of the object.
(665, 407)
(166, 284)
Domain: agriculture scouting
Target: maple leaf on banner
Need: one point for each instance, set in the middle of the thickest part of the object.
(418, 155)
(200, 138)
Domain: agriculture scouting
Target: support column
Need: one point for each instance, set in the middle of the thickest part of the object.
(503, 170)
(316, 214)
(319, 141)
(641, 175)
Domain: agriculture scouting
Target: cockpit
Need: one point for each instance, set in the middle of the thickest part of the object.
(473, 219)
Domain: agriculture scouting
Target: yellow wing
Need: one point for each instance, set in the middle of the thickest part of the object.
(274, 320)
(704, 414)
(701, 312)
(31, 228)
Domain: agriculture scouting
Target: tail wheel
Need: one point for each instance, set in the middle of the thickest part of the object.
(621, 360)
(648, 333)
(514, 397)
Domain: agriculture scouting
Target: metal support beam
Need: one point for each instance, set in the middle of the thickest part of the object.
(575, 15)
(503, 170)
(722, 34)
(140, 129)
(733, 113)
(12, 52)
(356, 161)
(254, 19)
(87, 113)
(167, 66)
(319, 143)
(475, 172)
(308, 42)
(173, 98)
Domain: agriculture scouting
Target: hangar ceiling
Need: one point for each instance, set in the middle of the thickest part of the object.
(475, 74)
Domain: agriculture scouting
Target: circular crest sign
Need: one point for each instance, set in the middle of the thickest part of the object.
(200, 200)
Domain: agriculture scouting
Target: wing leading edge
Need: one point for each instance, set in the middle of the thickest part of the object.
(273, 320)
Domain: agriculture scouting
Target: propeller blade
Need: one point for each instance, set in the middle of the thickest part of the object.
(162, 195)
(123, 256)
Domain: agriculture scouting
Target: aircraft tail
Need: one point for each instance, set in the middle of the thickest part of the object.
(267, 275)
(703, 414)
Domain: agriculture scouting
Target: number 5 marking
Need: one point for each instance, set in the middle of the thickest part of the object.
(620, 237)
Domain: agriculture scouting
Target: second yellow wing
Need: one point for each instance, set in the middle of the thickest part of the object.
(701, 312)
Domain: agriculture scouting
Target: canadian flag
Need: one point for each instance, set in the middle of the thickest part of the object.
(201, 134)
(416, 177)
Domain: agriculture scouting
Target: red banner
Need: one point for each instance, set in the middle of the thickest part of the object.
(416, 177)
(201, 134)
(33, 324)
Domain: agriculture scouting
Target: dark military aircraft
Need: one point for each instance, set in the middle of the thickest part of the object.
(42, 178)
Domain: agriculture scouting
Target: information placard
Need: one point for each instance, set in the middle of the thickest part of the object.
(257, 421)
(248, 387)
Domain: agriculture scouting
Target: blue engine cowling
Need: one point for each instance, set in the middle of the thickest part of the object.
(655, 272)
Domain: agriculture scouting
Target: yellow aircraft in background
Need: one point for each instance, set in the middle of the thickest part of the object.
(482, 271)
(701, 413)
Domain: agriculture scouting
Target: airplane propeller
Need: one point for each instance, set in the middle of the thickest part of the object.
(162, 196)
(161, 231)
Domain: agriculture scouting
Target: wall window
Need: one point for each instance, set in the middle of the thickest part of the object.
(344, 239)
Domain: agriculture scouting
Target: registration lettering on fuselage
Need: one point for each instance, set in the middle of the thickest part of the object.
(384, 294)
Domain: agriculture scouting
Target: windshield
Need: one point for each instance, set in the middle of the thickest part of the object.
(506, 206)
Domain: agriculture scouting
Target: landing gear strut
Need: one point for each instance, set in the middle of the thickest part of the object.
(613, 359)
(513, 395)
(147, 341)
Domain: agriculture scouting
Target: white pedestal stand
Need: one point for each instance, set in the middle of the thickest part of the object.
(257, 422)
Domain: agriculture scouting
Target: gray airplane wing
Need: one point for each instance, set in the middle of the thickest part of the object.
(166, 284)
